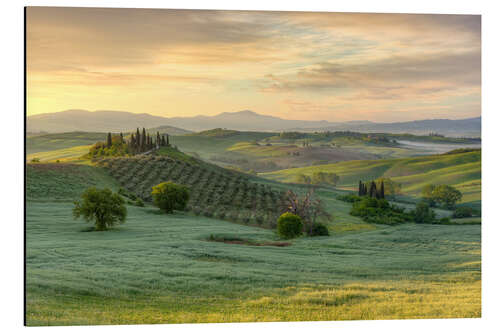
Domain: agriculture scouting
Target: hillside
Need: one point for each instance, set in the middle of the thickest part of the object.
(462, 170)
(56, 141)
(63, 181)
(214, 191)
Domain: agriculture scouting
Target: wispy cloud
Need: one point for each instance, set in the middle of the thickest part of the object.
(331, 65)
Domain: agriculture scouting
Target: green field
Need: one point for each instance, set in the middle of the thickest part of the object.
(460, 170)
(63, 155)
(161, 269)
(59, 141)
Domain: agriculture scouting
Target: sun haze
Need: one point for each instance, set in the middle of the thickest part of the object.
(295, 65)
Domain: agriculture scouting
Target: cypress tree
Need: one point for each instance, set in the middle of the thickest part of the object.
(373, 190)
(168, 141)
(137, 138)
(121, 137)
(109, 142)
(131, 144)
(163, 143)
(360, 188)
(143, 140)
(382, 194)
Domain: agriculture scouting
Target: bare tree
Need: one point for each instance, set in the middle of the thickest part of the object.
(307, 207)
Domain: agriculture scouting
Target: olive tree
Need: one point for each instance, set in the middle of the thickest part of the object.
(169, 196)
(103, 207)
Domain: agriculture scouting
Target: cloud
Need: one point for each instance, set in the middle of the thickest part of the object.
(329, 62)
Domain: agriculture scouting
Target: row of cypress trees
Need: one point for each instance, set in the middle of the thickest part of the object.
(372, 191)
(139, 142)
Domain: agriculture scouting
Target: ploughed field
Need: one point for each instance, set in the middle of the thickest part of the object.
(179, 268)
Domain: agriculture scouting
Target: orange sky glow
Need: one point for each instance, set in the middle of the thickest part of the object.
(295, 65)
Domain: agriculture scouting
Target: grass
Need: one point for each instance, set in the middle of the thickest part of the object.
(161, 269)
(63, 155)
(58, 141)
(63, 182)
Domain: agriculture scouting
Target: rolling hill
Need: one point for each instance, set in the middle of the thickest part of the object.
(462, 170)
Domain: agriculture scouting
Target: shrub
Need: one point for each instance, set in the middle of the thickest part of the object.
(35, 160)
(289, 225)
(444, 220)
(461, 212)
(139, 202)
(169, 196)
(349, 198)
(319, 229)
(103, 207)
(374, 210)
(423, 213)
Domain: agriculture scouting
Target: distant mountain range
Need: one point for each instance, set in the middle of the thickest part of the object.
(119, 121)
(98, 121)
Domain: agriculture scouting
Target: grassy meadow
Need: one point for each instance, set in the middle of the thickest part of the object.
(160, 268)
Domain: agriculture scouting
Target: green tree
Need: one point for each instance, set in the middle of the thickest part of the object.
(427, 194)
(109, 141)
(143, 140)
(373, 190)
(169, 196)
(445, 195)
(289, 225)
(423, 213)
(382, 190)
(320, 177)
(103, 207)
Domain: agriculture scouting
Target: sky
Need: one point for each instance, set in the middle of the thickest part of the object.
(294, 65)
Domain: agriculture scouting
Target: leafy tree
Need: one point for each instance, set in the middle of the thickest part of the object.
(289, 225)
(427, 194)
(423, 213)
(169, 196)
(445, 195)
(320, 177)
(103, 207)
